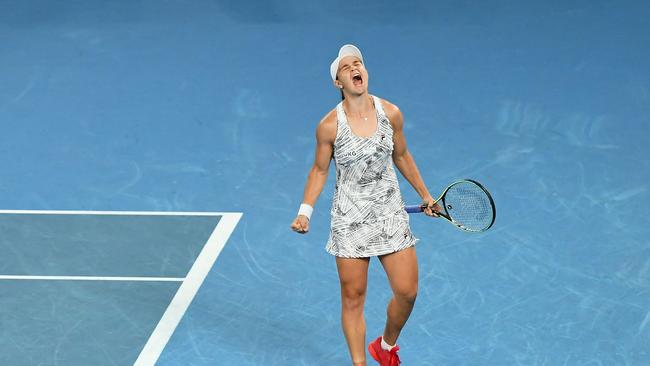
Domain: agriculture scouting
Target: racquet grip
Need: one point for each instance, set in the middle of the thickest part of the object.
(414, 209)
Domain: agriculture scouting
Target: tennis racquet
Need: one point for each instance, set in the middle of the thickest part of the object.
(466, 204)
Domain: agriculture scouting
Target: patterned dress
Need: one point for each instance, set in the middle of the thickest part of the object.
(368, 217)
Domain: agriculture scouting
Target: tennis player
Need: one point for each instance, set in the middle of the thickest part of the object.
(364, 134)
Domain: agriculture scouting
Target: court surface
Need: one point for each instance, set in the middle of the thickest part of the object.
(153, 155)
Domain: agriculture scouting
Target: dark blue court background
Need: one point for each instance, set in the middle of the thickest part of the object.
(212, 106)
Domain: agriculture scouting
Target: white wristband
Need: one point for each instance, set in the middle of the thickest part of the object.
(305, 210)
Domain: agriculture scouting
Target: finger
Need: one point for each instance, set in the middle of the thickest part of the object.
(304, 226)
(296, 227)
(436, 210)
(433, 209)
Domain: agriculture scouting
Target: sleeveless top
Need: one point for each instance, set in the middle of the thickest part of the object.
(368, 217)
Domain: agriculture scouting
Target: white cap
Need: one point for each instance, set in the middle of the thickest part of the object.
(346, 50)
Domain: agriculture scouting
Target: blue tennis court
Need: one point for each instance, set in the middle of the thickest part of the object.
(154, 154)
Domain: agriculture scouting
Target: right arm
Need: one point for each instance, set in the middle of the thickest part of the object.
(325, 136)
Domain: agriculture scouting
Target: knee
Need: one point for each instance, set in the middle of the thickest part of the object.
(353, 299)
(407, 294)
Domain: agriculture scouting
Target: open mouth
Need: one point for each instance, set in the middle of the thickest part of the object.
(357, 80)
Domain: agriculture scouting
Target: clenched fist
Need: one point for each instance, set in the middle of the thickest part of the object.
(300, 224)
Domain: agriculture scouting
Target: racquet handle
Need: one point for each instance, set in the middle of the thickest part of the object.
(414, 209)
(420, 208)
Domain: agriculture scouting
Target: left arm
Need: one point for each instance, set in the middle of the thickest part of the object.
(404, 160)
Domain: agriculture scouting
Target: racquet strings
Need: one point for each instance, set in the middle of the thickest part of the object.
(469, 206)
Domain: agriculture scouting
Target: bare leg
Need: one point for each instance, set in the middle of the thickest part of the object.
(402, 271)
(353, 275)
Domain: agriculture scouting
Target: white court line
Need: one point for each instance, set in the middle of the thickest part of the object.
(188, 289)
(114, 213)
(189, 286)
(92, 278)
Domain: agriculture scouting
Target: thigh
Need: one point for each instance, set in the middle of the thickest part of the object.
(402, 270)
(353, 274)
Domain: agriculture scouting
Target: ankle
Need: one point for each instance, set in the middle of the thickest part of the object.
(387, 346)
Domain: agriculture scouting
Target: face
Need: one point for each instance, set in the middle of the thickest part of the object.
(352, 75)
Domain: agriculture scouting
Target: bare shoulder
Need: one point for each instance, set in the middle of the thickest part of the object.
(326, 130)
(393, 113)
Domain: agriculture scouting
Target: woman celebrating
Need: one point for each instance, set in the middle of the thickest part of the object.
(364, 135)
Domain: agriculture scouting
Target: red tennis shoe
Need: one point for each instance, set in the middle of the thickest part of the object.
(385, 358)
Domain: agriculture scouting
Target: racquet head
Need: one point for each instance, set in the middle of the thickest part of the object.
(468, 205)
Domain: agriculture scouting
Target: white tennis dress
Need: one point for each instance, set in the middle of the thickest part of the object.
(368, 217)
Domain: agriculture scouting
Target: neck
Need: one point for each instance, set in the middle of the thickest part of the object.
(358, 105)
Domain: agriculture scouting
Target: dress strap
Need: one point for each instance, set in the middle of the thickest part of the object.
(340, 113)
(341, 120)
(378, 106)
